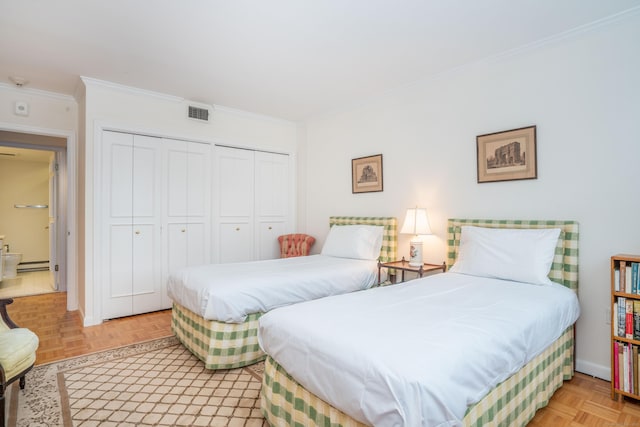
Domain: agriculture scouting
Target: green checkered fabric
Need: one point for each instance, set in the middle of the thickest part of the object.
(564, 269)
(515, 401)
(512, 403)
(219, 345)
(284, 402)
(389, 250)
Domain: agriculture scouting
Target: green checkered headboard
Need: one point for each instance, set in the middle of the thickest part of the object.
(564, 269)
(389, 249)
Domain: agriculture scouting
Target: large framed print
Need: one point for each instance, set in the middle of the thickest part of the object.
(507, 155)
(366, 174)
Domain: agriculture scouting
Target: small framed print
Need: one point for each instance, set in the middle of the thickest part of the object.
(507, 155)
(366, 174)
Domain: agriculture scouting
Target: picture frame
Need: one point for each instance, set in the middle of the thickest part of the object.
(366, 174)
(508, 155)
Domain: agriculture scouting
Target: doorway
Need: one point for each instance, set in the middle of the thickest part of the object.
(33, 205)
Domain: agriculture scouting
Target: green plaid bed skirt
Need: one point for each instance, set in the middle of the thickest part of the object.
(219, 345)
(513, 402)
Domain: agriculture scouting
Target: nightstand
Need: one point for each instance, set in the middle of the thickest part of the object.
(403, 266)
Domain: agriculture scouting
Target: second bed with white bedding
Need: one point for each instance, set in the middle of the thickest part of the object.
(229, 292)
(468, 334)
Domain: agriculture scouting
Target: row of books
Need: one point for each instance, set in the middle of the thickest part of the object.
(625, 367)
(626, 322)
(627, 277)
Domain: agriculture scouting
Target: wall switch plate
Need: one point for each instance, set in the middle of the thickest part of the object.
(21, 108)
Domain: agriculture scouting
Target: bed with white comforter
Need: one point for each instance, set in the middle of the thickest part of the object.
(230, 292)
(468, 334)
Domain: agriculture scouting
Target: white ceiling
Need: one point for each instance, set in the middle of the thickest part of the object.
(284, 58)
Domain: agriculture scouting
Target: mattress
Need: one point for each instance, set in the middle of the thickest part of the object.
(230, 292)
(461, 336)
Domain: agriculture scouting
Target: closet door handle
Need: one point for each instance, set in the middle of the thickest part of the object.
(137, 231)
(237, 228)
(270, 228)
(183, 230)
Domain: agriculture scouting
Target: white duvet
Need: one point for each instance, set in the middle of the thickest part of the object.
(418, 353)
(229, 292)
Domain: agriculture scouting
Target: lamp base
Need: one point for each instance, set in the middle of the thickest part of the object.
(415, 253)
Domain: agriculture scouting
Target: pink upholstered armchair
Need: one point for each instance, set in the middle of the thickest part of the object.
(295, 245)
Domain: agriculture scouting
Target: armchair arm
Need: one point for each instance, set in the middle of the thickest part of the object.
(3, 313)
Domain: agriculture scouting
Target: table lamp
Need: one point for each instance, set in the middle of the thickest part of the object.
(416, 223)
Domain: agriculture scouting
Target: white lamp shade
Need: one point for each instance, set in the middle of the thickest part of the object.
(416, 222)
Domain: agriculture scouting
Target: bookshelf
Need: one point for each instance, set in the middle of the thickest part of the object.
(625, 326)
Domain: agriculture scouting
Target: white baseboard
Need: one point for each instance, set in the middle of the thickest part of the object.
(598, 371)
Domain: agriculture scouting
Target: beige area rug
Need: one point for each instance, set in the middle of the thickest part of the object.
(157, 383)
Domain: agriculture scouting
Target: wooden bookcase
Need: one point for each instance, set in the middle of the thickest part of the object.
(625, 340)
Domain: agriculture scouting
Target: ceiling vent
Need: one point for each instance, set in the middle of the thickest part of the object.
(198, 113)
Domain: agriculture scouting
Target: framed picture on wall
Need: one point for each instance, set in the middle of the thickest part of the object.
(366, 174)
(507, 155)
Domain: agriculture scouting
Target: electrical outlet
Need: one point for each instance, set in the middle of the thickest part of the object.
(607, 316)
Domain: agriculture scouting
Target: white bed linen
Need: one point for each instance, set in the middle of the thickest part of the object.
(229, 292)
(417, 353)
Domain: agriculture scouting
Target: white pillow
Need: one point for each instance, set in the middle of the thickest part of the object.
(354, 241)
(521, 255)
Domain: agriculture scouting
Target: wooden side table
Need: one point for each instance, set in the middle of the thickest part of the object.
(403, 266)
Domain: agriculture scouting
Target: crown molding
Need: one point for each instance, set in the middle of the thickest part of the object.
(36, 92)
(250, 115)
(89, 81)
(565, 35)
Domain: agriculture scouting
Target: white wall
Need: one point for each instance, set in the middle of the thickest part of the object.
(46, 110)
(109, 106)
(582, 92)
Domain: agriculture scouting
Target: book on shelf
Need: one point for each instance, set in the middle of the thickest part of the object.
(621, 316)
(625, 368)
(627, 279)
(616, 279)
(630, 367)
(621, 366)
(634, 369)
(616, 374)
(614, 319)
(636, 319)
(623, 287)
(634, 277)
(628, 327)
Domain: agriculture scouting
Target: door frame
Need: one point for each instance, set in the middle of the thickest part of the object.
(67, 226)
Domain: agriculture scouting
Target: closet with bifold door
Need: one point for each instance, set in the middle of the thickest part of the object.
(156, 218)
(272, 202)
(131, 226)
(186, 207)
(252, 203)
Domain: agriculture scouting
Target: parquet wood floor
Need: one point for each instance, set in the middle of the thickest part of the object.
(62, 335)
(583, 401)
